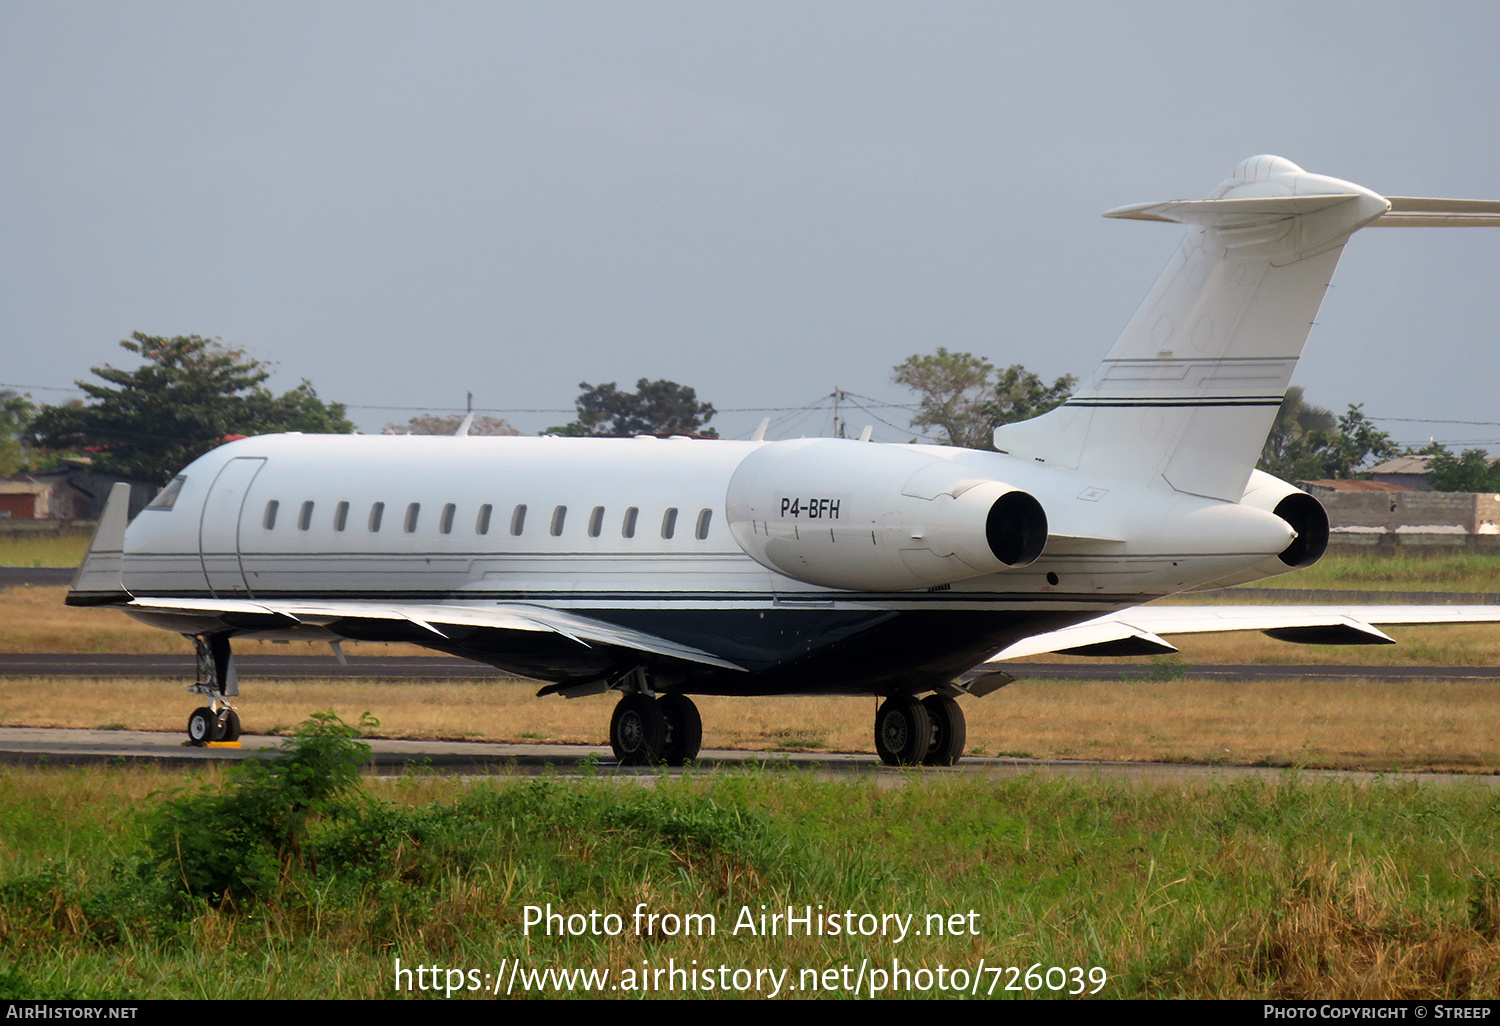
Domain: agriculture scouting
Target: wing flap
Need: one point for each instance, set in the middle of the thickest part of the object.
(430, 616)
(1308, 625)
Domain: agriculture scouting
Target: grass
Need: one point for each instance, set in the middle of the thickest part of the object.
(62, 549)
(1447, 572)
(1288, 889)
(1285, 889)
(1346, 724)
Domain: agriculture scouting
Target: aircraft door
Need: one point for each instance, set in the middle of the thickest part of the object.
(219, 529)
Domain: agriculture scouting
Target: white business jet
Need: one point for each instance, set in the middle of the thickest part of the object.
(663, 568)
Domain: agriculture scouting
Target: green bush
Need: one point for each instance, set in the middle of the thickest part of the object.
(243, 839)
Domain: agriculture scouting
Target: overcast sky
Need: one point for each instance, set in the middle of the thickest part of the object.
(404, 202)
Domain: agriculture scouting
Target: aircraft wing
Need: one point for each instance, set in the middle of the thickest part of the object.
(1140, 631)
(249, 614)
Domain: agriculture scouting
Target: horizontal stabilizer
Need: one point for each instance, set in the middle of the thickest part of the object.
(1419, 212)
(1230, 213)
(1190, 390)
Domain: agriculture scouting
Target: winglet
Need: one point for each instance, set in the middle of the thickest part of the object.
(97, 582)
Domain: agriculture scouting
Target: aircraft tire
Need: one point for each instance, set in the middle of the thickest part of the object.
(684, 729)
(203, 727)
(638, 731)
(949, 732)
(903, 731)
(232, 726)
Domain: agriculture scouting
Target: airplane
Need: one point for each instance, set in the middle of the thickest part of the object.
(663, 568)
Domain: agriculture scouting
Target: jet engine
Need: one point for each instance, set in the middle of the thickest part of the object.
(1300, 511)
(867, 517)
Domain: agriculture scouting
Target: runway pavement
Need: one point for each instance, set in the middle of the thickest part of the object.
(52, 747)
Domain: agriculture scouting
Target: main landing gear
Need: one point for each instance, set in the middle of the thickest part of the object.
(925, 732)
(218, 681)
(645, 731)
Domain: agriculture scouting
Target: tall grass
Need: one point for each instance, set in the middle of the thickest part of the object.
(63, 549)
(1285, 889)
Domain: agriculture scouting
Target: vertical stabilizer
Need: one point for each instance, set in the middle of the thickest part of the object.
(1187, 395)
(98, 579)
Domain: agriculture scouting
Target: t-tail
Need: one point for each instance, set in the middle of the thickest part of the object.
(1187, 395)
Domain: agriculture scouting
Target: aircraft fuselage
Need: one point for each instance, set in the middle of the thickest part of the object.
(698, 541)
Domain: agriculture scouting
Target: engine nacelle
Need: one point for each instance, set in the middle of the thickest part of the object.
(867, 517)
(1300, 511)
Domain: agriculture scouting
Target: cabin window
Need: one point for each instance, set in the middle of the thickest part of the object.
(377, 511)
(518, 520)
(482, 523)
(559, 514)
(704, 517)
(270, 518)
(341, 516)
(628, 527)
(445, 524)
(411, 516)
(669, 522)
(168, 495)
(596, 521)
(304, 518)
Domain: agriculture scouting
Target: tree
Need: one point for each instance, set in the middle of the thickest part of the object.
(16, 411)
(1021, 395)
(1361, 442)
(1307, 443)
(1469, 472)
(1296, 447)
(185, 398)
(953, 392)
(962, 396)
(654, 408)
(430, 424)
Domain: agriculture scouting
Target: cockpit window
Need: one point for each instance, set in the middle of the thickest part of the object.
(168, 495)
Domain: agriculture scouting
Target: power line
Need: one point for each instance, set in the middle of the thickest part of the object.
(1433, 420)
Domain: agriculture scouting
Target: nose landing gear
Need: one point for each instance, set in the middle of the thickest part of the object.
(209, 724)
(218, 681)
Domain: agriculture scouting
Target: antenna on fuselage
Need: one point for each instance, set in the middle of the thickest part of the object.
(468, 421)
(760, 431)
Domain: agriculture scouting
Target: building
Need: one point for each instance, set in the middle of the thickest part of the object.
(43, 497)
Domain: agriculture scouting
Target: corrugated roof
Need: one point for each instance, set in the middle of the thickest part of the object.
(1402, 465)
(1356, 486)
(1411, 465)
